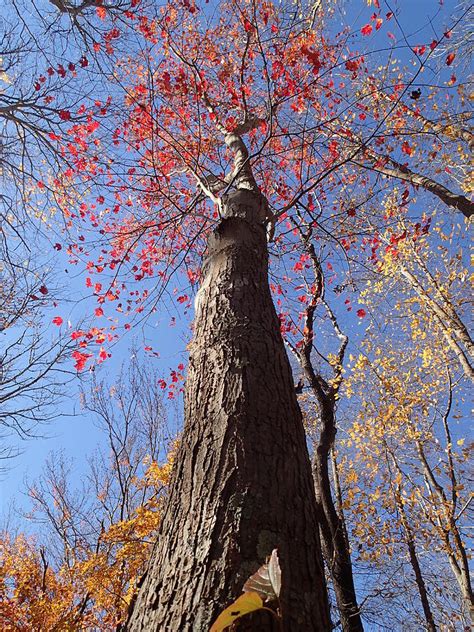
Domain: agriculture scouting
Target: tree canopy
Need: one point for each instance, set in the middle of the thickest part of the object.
(127, 128)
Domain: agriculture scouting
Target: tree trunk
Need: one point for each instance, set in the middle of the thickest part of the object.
(242, 483)
(334, 540)
(333, 537)
(415, 564)
(457, 555)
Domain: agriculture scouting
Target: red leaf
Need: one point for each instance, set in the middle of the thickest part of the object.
(44, 290)
(406, 149)
(64, 115)
(57, 246)
(81, 359)
(450, 58)
(361, 313)
(366, 30)
(352, 64)
(99, 311)
(248, 26)
(58, 321)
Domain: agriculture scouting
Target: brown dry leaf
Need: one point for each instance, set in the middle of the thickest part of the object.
(266, 582)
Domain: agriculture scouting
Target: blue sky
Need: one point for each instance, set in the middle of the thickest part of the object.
(74, 431)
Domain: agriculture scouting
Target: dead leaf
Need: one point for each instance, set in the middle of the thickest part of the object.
(266, 582)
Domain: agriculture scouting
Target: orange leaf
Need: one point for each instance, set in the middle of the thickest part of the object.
(450, 58)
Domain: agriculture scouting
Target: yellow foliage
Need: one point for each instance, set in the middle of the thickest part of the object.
(398, 397)
(94, 590)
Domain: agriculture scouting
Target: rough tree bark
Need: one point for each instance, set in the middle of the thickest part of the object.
(242, 484)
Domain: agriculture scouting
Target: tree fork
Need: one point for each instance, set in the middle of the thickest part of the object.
(242, 483)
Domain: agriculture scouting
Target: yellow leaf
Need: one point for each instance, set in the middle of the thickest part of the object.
(248, 602)
(460, 441)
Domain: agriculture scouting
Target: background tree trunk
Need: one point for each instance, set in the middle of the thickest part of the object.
(333, 534)
(242, 484)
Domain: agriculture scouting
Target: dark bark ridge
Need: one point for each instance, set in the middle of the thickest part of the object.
(242, 483)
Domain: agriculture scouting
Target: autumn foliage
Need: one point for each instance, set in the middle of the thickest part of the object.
(91, 589)
(359, 139)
